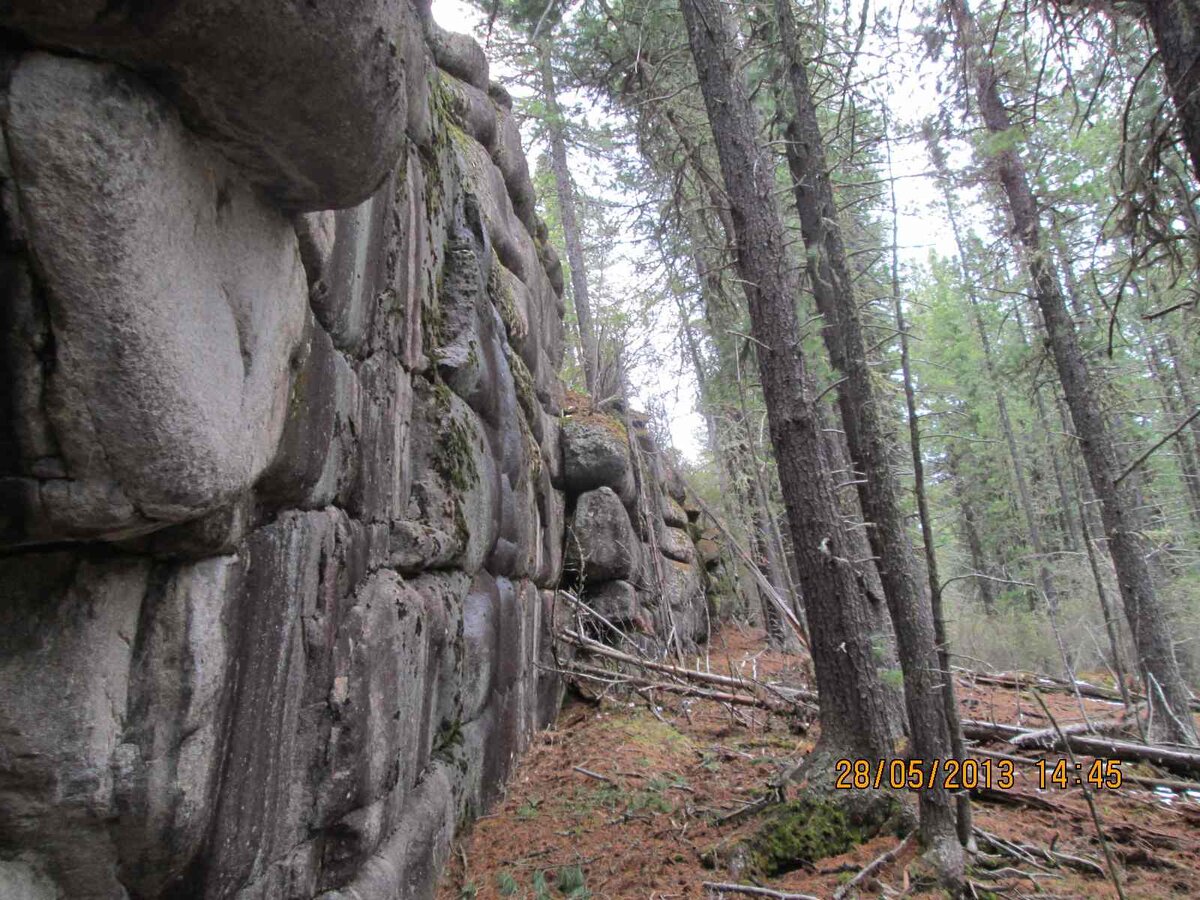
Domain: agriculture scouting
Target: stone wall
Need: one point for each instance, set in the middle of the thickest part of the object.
(635, 551)
(280, 492)
(283, 491)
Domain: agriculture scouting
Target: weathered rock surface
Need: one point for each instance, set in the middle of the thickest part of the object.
(172, 301)
(596, 454)
(631, 558)
(312, 101)
(283, 484)
(601, 544)
(278, 491)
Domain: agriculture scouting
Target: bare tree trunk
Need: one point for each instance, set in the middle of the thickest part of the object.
(1176, 27)
(556, 133)
(1185, 456)
(1182, 385)
(854, 715)
(949, 701)
(1024, 498)
(870, 447)
(985, 586)
(1143, 608)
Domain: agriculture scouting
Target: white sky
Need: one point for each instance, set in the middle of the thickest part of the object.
(913, 95)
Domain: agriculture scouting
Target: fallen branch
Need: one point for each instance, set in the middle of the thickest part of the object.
(720, 887)
(1044, 735)
(1048, 683)
(590, 774)
(1172, 784)
(791, 695)
(671, 687)
(1175, 759)
(1025, 853)
(870, 870)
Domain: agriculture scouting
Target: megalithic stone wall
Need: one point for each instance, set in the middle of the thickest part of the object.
(283, 495)
(280, 486)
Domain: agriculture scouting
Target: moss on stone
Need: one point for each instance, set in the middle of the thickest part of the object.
(803, 831)
(502, 297)
(456, 461)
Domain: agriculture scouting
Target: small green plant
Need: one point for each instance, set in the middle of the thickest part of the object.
(572, 883)
(541, 890)
(469, 891)
(529, 809)
(506, 884)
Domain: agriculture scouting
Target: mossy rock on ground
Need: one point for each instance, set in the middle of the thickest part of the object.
(803, 831)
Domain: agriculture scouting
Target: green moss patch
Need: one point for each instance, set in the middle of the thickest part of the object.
(801, 832)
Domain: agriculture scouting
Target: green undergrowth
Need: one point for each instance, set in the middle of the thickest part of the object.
(801, 832)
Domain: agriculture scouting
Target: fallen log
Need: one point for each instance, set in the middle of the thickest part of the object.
(1038, 737)
(1172, 784)
(1173, 758)
(1050, 684)
(792, 695)
(672, 687)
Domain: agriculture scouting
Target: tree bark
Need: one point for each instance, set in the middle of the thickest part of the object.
(1143, 608)
(1185, 456)
(970, 528)
(1176, 27)
(870, 447)
(565, 190)
(853, 710)
(949, 701)
(1024, 498)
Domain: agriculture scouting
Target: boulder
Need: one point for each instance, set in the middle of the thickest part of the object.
(617, 601)
(596, 454)
(177, 306)
(310, 100)
(673, 513)
(677, 545)
(601, 544)
(709, 551)
(459, 55)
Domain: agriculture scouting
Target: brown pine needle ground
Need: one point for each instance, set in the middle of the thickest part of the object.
(671, 777)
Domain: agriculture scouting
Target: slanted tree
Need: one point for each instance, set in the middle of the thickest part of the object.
(565, 189)
(870, 447)
(1148, 621)
(854, 714)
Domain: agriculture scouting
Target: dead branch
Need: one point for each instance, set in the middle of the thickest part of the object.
(1044, 735)
(590, 774)
(871, 869)
(789, 695)
(1091, 801)
(719, 887)
(1023, 853)
(1173, 758)
(1172, 784)
(671, 687)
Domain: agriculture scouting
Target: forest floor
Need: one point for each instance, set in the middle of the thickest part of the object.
(642, 818)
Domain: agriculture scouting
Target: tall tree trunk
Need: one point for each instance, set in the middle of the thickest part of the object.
(870, 447)
(1185, 456)
(1183, 385)
(949, 701)
(970, 528)
(1176, 27)
(1143, 608)
(854, 715)
(556, 133)
(1024, 497)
